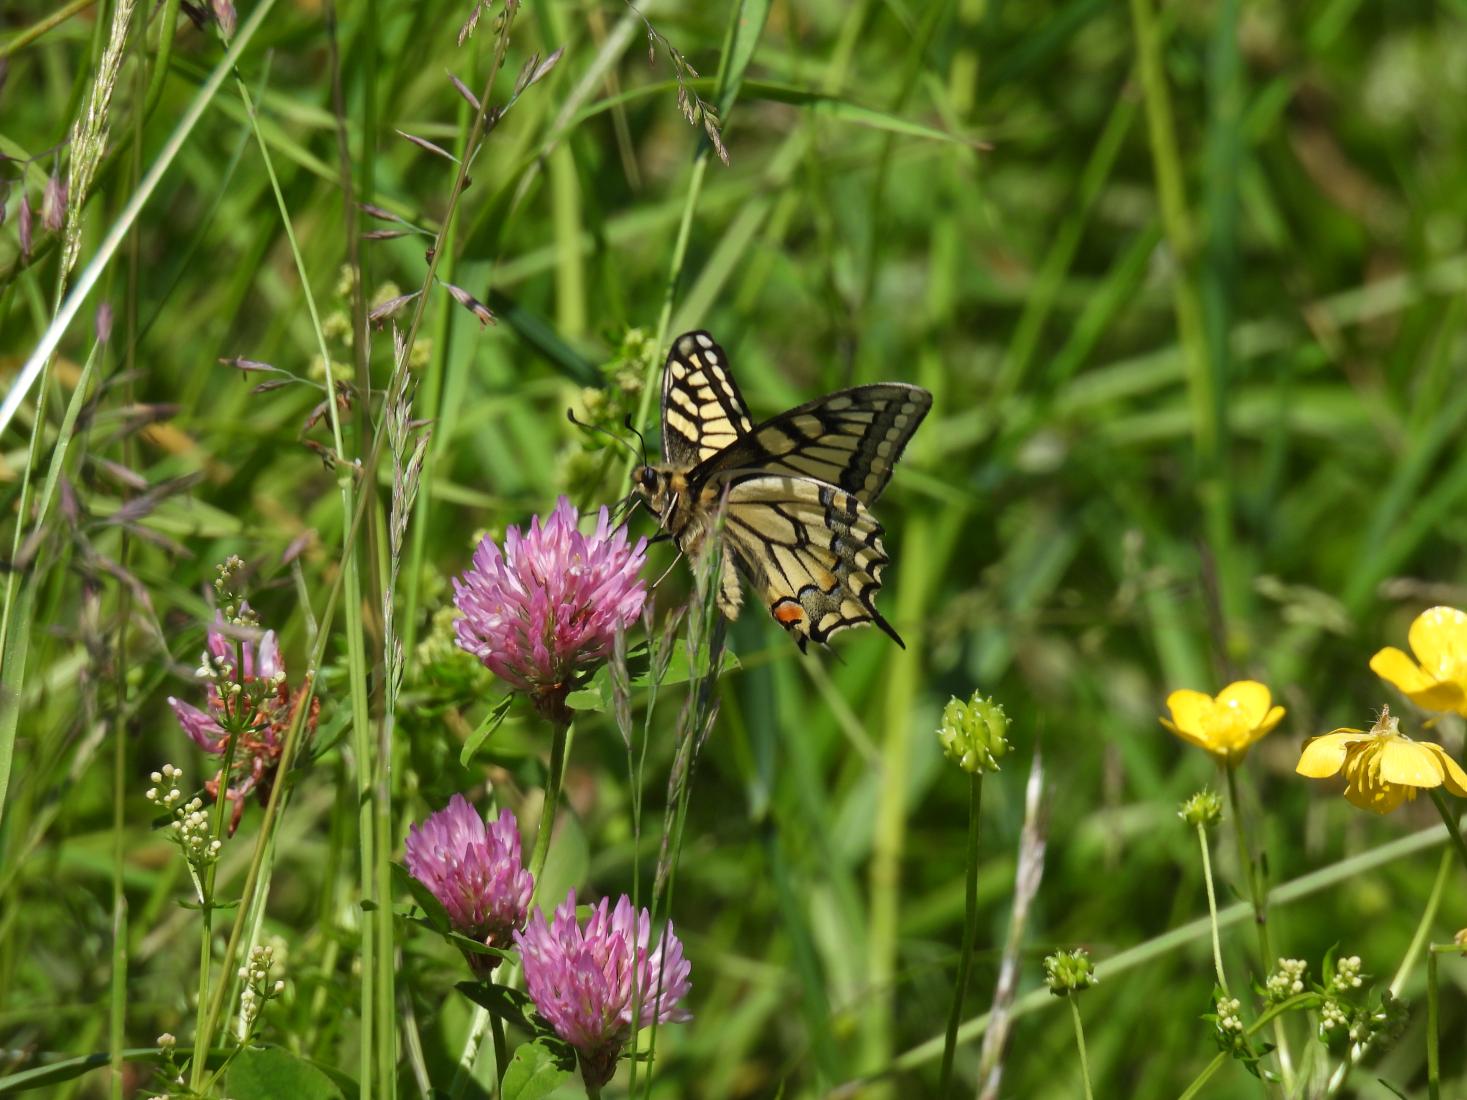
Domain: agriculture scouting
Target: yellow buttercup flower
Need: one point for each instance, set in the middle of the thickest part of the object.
(1438, 637)
(1226, 725)
(1383, 767)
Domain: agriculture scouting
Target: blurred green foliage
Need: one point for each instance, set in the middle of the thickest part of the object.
(1102, 506)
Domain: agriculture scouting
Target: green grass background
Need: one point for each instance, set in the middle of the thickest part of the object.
(1192, 309)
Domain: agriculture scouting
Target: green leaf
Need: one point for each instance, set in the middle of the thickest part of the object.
(486, 729)
(432, 908)
(188, 903)
(511, 1005)
(537, 1069)
(266, 1073)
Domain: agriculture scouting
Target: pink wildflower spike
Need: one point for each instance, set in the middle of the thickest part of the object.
(548, 606)
(198, 724)
(476, 872)
(585, 982)
(264, 704)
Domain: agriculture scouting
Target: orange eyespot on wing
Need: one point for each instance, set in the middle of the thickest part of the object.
(787, 613)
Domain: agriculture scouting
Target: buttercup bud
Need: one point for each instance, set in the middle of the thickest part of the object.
(974, 734)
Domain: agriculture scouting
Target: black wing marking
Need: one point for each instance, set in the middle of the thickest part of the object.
(703, 412)
(851, 439)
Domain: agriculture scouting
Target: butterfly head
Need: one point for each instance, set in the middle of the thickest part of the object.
(658, 486)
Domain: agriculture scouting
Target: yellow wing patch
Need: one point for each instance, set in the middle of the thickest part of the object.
(703, 413)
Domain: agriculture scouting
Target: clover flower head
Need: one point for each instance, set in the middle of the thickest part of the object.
(590, 983)
(1226, 725)
(1437, 679)
(476, 872)
(1383, 767)
(246, 692)
(548, 605)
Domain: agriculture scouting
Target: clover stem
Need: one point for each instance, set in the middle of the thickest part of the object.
(547, 809)
(501, 1052)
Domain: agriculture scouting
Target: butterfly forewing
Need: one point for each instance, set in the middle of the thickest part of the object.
(812, 550)
(703, 413)
(850, 439)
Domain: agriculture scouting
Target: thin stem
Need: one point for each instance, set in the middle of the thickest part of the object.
(1450, 820)
(1258, 895)
(970, 933)
(501, 1052)
(547, 809)
(1423, 926)
(1433, 1056)
(1268, 1016)
(1217, 962)
(24, 38)
(1080, 1045)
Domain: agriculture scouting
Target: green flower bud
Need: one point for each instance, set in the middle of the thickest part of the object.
(1203, 808)
(974, 734)
(1069, 971)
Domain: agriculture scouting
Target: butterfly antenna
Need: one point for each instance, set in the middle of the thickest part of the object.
(594, 429)
(668, 570)
(622, 510)
(641, 439)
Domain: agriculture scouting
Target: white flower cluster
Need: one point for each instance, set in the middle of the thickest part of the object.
(164, 793)
(1287, 981)
(1347, 974)
(190, 827)
(1332, 1015)
(1229, 1018)
(195, 836)
(258, 989)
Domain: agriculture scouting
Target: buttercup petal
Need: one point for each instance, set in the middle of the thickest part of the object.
(1453, 777)
(1247, 698)
(1378, 799)
(1394, 667)
(1186, 735)
(1273, 718)
(1324, 756)
(1438, 637)
(1408, 763)
(1190, 710)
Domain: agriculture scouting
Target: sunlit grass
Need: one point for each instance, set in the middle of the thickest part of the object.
(1188, 289)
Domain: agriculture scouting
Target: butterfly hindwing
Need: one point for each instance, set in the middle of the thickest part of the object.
(703, 413)
(813, 551)
(850, 439)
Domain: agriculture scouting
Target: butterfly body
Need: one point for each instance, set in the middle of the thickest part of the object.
(789, 496)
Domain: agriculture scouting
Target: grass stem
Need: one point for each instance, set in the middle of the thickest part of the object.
(970, 933)
(1217, 962)
(1080, 1046)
